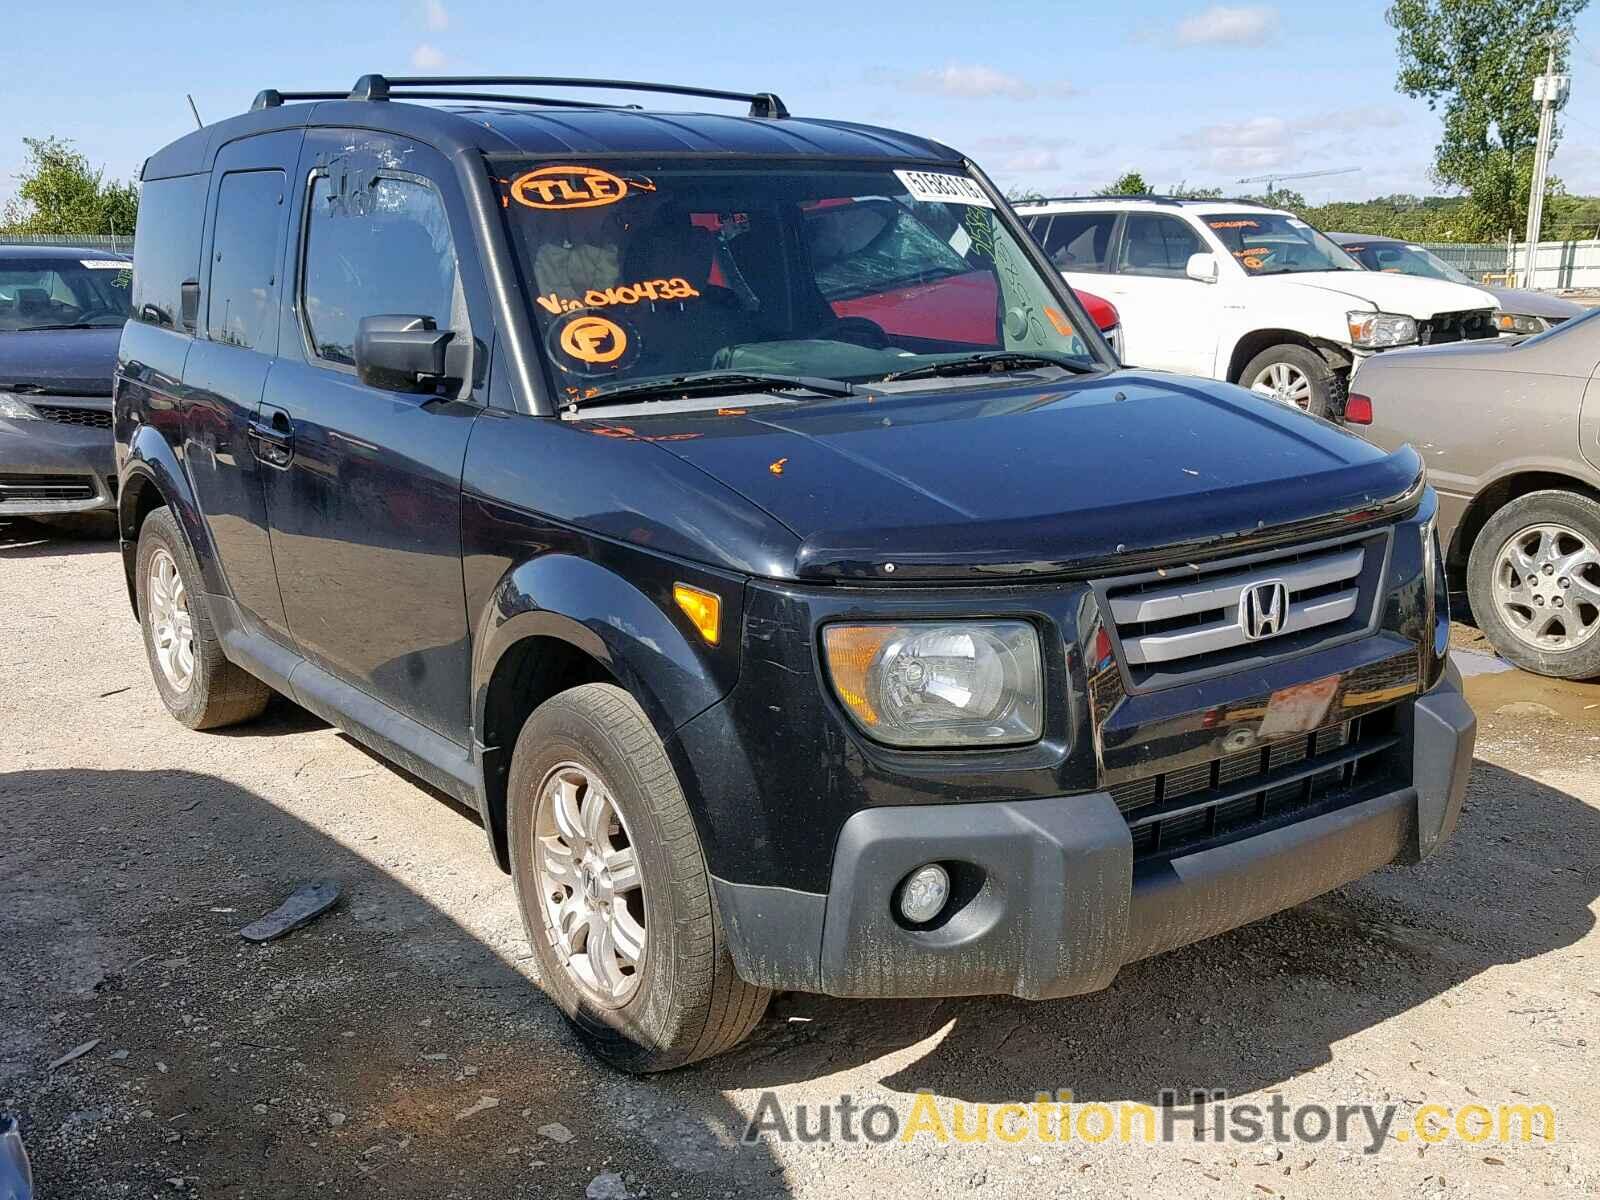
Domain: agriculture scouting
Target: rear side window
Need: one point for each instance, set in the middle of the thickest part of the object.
(166, 246)
(1076, 241)
(375, 250)
(1153, 244)
(243, 301)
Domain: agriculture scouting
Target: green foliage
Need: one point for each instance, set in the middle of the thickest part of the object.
(1183, 191)
(1474, 62)
(59, 193)
(1130, 183)
(1023, 195)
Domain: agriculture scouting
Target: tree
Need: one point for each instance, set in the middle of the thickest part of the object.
(1023, 195)
(1130, 183)
(59, 193)
(1182, 191)
(1282, 197)
(1474, 62)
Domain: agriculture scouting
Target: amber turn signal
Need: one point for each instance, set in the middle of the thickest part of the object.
(852, 649)
(704, 610)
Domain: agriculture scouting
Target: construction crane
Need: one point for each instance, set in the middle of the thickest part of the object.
(1272, 181)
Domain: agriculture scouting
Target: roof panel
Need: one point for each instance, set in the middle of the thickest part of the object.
(498, 129)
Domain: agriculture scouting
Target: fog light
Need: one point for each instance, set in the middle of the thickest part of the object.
(923, 893)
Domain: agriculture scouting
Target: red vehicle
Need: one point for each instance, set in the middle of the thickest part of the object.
(877, 238)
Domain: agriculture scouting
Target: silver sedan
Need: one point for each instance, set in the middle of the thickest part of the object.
(1510, 430)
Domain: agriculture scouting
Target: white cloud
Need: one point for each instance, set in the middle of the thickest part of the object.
(1225, 25)
(1030, 160)
(970, 80)
(427, 58)
(435, 15)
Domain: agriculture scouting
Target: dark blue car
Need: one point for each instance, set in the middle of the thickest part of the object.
(61, 315)
(740, 513)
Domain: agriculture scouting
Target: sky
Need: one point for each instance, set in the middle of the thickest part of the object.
(1057, 97)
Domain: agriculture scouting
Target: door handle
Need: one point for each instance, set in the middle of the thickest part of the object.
(271, 436)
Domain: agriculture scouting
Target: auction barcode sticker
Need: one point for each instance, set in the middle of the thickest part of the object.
(106, 264)
(941, 187)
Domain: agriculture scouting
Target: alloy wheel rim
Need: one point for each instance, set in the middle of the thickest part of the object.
(171, 626)
(591, 892)
(1547, 587)
(1285, 383)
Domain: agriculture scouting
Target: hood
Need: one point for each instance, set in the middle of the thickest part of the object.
(1110, 471)
(72, 362)
(1535, 304)
(1412, 295)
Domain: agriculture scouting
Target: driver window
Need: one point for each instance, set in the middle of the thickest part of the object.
(382, 248)
(1155, 244)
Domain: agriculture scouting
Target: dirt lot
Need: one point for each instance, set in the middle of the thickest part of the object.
(400, 1046)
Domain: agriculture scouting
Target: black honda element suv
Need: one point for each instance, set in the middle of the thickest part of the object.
(741, 515)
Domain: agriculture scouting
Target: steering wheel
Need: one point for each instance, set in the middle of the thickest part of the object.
(856, 330)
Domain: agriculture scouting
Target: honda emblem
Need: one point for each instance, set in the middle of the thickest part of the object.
(1264, 609)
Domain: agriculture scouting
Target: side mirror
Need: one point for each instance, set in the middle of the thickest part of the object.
(401, 353)
(1202, 267)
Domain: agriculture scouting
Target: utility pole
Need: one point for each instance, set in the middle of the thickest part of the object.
(1548, 90)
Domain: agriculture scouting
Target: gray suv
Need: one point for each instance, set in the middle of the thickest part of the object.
(1510, 430)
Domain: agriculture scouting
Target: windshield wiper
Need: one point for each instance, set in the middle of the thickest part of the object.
(704, 383)
(67, 325)
(993, 360)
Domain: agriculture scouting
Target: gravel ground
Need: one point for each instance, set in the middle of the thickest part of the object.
(400, 1046)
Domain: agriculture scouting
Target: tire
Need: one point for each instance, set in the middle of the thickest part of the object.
(1296, 368)
(215, 692)
(1554, 525)
(683, 1001)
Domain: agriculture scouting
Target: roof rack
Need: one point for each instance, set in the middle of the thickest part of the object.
(1255, 200)
(442, 87)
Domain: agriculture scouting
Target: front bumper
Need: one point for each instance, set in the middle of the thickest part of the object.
(1056, 905)
(48, 468)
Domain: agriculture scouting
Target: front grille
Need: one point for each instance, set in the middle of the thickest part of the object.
(1172, 625)
(46, 487)
(89, 418)
(1466, 326)
(1244, 793)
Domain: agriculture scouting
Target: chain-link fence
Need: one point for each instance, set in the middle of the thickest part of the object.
(1473, 259)
(89, 241)
(1557, 266)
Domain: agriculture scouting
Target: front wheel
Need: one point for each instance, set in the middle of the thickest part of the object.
(1292, 375)
(614, 889)
(1534, 581)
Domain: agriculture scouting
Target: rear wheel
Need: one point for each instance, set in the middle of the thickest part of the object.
(1534, 581)
(198, 684)
(1292, 375)
(614, 890)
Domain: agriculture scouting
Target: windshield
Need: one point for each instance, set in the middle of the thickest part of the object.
(653, 270)
(1401, 258)
(1274, 244)
(52, 292)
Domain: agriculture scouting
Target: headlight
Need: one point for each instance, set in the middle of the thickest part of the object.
(925, 684)
(1512, 323)
(1376, 330)
(16, 409)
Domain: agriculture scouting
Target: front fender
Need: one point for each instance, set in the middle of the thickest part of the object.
(151, 463)
(622, 615)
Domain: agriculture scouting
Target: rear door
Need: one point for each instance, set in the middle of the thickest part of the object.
(236, 338)
(1169, 321)
(365, 507)
(1079, 243)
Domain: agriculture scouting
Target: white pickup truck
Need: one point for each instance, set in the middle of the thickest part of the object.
(1249, 294)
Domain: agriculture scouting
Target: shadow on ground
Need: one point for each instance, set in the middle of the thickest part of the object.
(21, 538)
(384, 1048)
